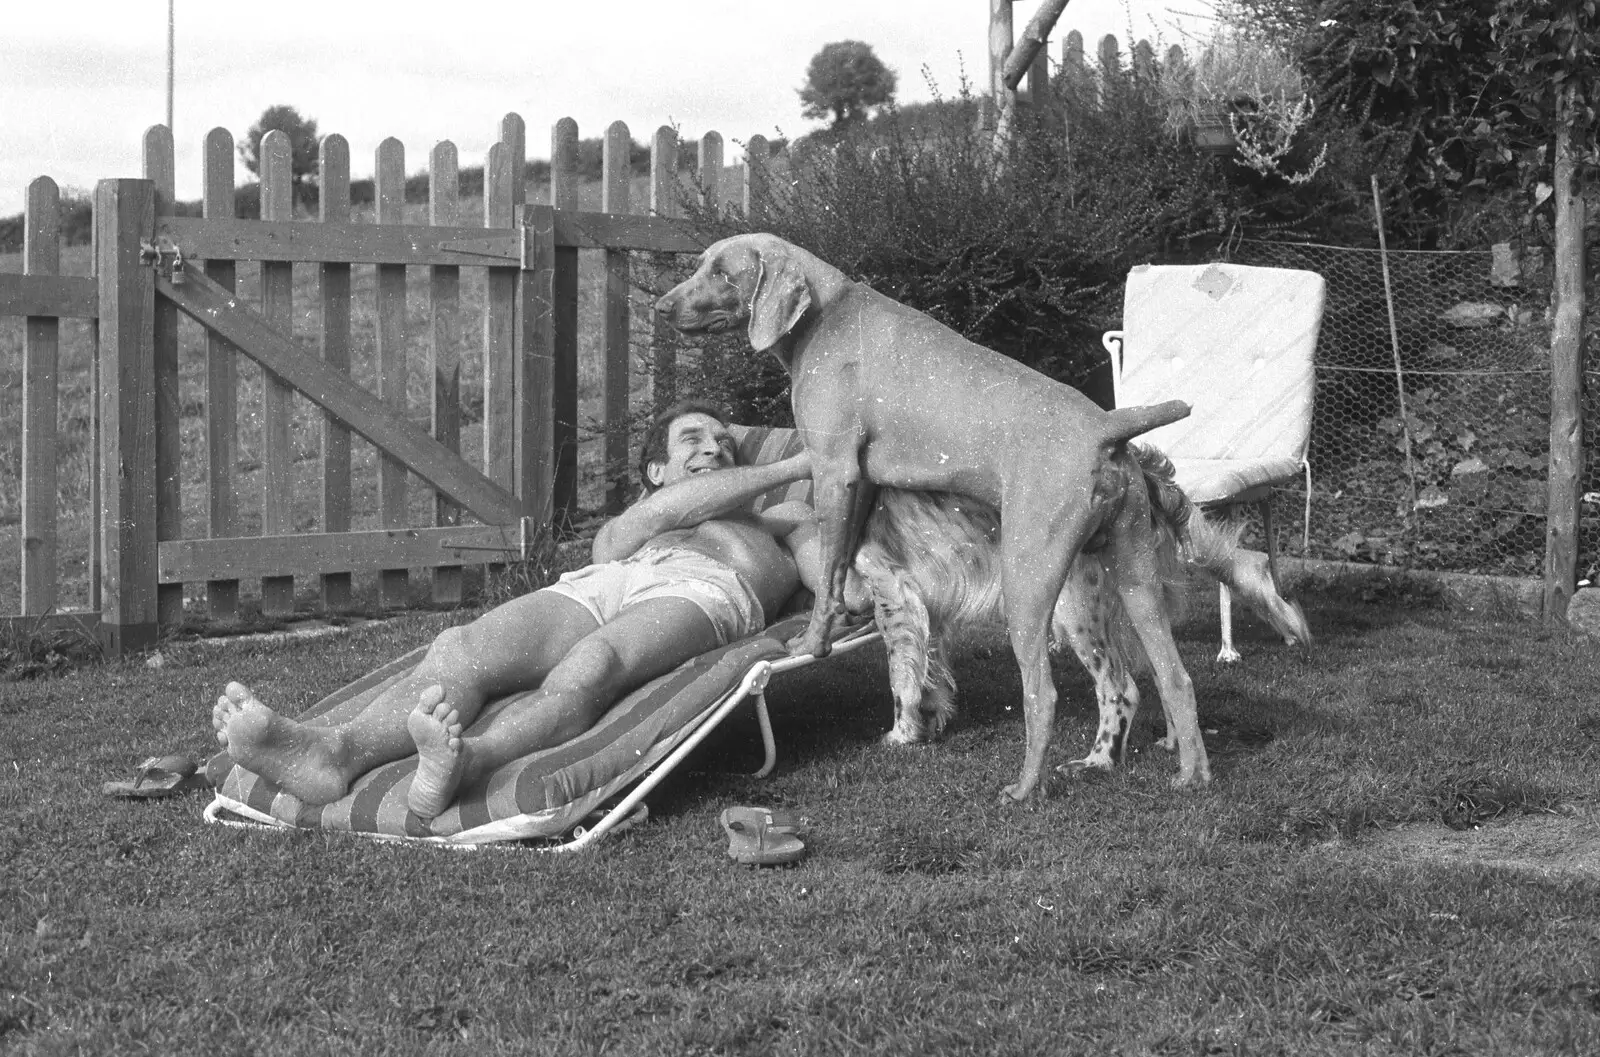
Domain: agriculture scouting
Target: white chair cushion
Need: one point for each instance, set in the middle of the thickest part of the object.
(1207, 481)
(1236, 342)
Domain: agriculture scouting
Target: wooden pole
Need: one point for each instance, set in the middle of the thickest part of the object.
(172, 56)
(277, 399)
(1566, 374)
(663, 203)
(389, 201)
(616, 316)
(333, 159)
(1394, 346)
(564, 197)
(1002, 100)
(160, 169)
(1015, 66)
(222, 385)
(124, 216)
(41, 255)
(444, 310)
(756, 155)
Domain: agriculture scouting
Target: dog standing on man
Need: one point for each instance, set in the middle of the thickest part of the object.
(884, 395)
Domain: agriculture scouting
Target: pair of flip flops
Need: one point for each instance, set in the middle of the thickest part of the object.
(160, 776)
(763, 836)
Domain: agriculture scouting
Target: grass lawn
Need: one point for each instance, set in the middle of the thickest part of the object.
(1276, 912)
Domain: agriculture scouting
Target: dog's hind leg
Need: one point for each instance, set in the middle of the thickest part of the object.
(1145, 602)
(1035, 556)
(1083, 620)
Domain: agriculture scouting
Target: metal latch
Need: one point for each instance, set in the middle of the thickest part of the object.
(163, 254)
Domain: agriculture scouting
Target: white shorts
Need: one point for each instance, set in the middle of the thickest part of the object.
(722, 593)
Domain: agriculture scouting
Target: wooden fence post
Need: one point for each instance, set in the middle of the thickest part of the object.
(444, 308)
(41, 255)
(663, 203)
(124, 216)
(277, 305)
(710, 171)
(222, 382)
(333, 160)
(616, 317)
(1566, 373)
(160, 170)
(536, 370)
(525, 456)
(536, 310)
(564, 324)
(499, 321)
(389, 199)
(756, 155)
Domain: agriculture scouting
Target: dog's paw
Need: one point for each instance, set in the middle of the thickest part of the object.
(808, 645)
(1086, 767)
(1192, 783)
(1022, 793)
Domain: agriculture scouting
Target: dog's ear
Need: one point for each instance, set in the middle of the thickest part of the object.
(781, 298)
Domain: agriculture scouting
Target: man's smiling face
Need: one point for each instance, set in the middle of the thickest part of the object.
(696, 443)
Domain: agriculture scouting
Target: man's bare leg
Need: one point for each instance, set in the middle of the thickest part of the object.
(512, 647)
(644, 641)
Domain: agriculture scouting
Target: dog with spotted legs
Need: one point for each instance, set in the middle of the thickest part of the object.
(928, 569)
(884, 395)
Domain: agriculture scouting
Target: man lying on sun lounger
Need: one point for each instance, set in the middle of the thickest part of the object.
(687, 568)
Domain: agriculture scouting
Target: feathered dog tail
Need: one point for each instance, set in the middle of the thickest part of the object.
(1214, 549)
(1174, 518)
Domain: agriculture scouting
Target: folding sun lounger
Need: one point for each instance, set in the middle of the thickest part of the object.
(550, 793)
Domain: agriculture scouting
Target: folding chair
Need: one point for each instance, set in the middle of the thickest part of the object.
(545, 794)
(1236, 342)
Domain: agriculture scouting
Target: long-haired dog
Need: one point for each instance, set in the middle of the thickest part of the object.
(928, 561)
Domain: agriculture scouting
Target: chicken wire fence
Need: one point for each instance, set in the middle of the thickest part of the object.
(1429, 451)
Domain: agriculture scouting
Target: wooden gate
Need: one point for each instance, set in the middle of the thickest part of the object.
(153, 267)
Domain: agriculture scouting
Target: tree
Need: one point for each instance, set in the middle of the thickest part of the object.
(302, 133)
(1548, 50)
(843, 80)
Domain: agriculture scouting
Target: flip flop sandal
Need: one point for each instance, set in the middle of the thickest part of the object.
(776, 819)
(759, 836)
(160, 776)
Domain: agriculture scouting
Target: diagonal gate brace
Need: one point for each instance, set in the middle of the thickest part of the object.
(224, 313)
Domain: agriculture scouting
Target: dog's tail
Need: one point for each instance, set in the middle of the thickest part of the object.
(1125, 423)
(1211, 548)
(1214, 549)
(1172, 515)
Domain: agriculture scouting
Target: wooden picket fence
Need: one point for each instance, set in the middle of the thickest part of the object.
(151, 265)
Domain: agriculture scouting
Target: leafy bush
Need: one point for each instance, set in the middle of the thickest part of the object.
(1026, 257)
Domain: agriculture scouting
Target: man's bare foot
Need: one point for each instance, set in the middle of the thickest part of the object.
(301, 760)
(436, 728)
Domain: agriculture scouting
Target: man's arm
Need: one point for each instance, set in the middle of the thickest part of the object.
(691, 501)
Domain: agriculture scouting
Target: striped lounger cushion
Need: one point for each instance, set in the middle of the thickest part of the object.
(545, 793)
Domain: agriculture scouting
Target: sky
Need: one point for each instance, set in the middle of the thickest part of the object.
(80, 83)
